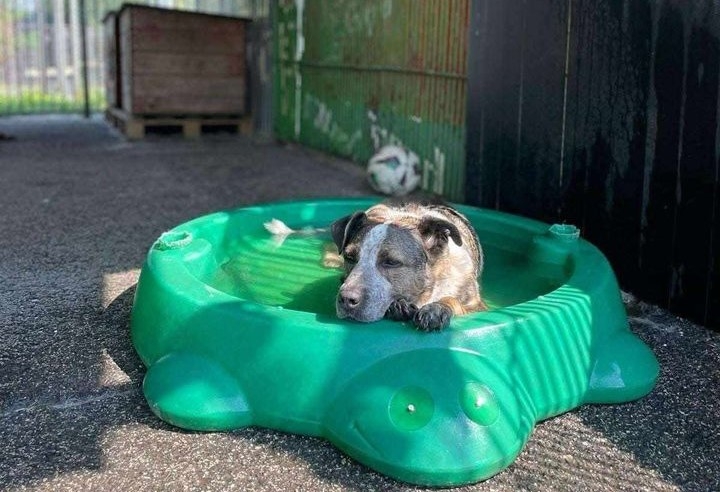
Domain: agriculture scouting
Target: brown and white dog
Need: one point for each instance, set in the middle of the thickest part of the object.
(410, 262)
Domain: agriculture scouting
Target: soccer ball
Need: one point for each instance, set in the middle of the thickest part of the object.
(394, 171)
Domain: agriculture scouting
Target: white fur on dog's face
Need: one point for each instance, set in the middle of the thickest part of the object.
(390, 264)
(374, 288)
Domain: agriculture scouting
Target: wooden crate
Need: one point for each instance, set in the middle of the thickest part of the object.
(181, 63)
(113, 94)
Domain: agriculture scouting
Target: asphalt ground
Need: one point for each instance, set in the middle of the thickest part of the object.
(80, 206)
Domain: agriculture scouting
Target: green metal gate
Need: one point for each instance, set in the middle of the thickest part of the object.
(353, 75)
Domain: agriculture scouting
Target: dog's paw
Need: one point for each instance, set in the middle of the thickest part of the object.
(401, 310)
(432, 317)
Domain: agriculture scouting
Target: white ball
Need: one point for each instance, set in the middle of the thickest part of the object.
(394, 171)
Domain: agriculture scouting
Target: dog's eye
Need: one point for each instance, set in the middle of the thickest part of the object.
(391, 263)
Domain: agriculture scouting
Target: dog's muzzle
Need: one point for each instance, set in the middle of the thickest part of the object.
(354, 302)
(349, 299)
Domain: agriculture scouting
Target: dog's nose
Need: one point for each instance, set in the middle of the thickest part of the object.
(349, 298)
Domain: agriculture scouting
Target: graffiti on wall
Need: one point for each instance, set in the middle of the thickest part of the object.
(348, 80)
(321, 117)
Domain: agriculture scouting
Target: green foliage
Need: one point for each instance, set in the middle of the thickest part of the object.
(35, 101)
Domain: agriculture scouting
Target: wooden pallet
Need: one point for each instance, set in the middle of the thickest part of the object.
(135, 127)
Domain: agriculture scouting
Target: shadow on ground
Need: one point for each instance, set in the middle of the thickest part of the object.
(673, 430)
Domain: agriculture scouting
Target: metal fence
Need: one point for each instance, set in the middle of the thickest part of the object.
(41, 49)
(353, 75)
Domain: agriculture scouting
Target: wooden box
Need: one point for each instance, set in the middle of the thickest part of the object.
(181, 63)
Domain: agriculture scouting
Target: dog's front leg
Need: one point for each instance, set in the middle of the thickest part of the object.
(436, 315)
(401, 310)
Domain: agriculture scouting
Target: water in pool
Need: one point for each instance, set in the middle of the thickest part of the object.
(292, 275)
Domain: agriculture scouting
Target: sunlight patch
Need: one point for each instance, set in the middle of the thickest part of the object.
(116, 283)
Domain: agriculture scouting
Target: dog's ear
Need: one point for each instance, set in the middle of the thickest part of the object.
(435, 233)
(343, 230)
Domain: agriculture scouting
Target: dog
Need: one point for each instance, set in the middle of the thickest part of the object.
(408, 262)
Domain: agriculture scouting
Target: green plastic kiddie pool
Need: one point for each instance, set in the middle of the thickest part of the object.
(237, 330)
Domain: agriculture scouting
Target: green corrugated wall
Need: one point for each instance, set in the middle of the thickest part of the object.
(353, 75)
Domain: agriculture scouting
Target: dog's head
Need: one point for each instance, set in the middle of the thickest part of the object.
(386, 261)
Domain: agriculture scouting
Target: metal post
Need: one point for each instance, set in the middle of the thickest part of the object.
(83, 40)
(474, 123)
(75, 39)
(42, 45)
(261, 84)
(60, 41)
